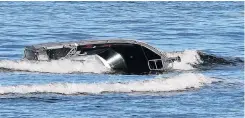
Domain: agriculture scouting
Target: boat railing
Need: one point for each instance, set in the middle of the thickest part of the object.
(159, 64)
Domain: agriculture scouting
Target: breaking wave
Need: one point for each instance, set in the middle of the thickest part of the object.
(192, 59)
(188, 59)
(55, 66)
(177, 83)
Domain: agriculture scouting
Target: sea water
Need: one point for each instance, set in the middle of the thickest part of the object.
(64, 88)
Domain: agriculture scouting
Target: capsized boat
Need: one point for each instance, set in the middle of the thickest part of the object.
(129, 56)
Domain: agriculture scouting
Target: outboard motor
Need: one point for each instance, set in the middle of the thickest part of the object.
(113, 59)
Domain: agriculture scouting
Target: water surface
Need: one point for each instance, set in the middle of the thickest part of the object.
(58, 90)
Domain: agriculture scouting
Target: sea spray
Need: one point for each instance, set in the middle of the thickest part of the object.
(188, 59)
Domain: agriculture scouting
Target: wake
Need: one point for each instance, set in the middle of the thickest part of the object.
(90, 65)
(177, 83)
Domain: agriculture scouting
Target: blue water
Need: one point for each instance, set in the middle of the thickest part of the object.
(211, 27)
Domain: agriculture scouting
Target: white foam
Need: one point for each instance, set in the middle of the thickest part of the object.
(55, 66)
(188, 58)
(180, 82)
